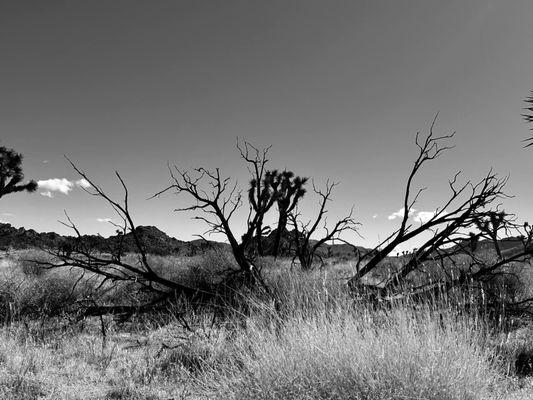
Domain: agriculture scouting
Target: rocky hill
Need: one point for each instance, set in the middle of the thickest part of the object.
(155, 241)
(159, 243)
(340, 250)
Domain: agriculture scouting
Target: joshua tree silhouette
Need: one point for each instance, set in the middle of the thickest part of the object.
(11, 174)
(528, 116)
(289, 190)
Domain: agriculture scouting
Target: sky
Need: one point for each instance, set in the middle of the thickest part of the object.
(337, 88)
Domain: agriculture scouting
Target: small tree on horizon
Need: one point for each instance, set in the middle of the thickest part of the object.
(11, 175)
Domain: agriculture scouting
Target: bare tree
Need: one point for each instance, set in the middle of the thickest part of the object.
(468, 206)
(306, 249)
(112, 266)
(11, 175)
(217, 199)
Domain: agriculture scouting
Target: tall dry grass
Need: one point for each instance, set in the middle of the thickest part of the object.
(320, 344)
(311, 340)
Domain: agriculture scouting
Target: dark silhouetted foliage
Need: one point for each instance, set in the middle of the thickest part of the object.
(11, 175)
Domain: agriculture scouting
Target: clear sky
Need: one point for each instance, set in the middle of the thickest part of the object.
(338, 88)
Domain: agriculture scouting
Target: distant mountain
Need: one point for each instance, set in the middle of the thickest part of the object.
(159, 243)
(328, 249)
(155, 241)
(20, 238)
(506, 245)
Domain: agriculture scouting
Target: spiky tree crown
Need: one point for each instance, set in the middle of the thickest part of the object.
(290, 187)
(11, 173)
(492, 223)
(281, 187)
(529, 117)
(529, 101)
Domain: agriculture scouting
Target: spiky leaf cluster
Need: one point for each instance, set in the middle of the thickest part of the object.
(290, 190)
(528, 116)
(11, 174)
(262, 195)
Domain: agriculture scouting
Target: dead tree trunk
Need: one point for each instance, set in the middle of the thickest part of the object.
(467, 207)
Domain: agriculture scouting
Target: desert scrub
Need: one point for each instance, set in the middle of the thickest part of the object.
(28, 261)
(19, 366)
(406, 354)
(209, 270)
(35, 296)
(19, 387)
(195, 356)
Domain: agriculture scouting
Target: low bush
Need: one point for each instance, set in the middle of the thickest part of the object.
(20, 387)
(29, 291)
(355, 356)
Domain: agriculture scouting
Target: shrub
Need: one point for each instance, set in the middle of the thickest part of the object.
(345, 353)
(120, 393)
(26, 260)
(199, 354)
(515, 351)
(20, 387)
(25, 291)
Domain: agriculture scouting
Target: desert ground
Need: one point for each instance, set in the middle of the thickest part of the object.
(317, 341)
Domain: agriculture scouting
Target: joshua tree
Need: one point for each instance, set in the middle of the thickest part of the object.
(529, 117)
(263, 186)
(268, 187)
(11, 174)
(289, 190)
(490, 226)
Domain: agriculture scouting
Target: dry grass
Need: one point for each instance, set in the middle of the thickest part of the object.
(358, 357)
(314, 342)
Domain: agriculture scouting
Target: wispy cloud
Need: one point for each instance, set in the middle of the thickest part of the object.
(423, 216)
(400, 213)
(83, 183)
(104, 219)
(62, 185)
(55, 185)
(47, 194)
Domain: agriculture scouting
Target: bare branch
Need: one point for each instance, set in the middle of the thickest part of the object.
(304, 250)
(466, 204)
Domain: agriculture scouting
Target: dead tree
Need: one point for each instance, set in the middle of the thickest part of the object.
(468, 206)
(112, 266)
(217, 199)
(305, 248)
